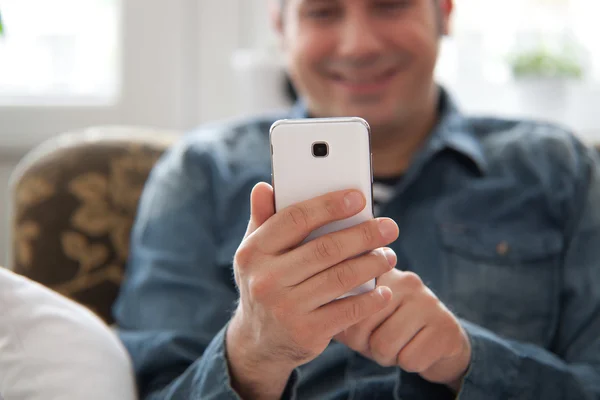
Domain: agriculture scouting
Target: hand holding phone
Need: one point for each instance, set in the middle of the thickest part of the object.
(294, 265)
(312, 157)
(287, 312)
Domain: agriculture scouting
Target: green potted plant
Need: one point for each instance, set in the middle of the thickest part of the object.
(1, 26)
(542, 75)
(546, 64)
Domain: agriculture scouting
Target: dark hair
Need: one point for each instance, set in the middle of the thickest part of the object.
(290, 90)
(437, 11)
(282, 2)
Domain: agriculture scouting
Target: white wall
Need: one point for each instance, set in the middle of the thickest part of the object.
(255, 26)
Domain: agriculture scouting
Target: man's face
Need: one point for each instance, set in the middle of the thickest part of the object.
(369, 58)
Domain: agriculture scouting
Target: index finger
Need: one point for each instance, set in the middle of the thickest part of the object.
(290, 226)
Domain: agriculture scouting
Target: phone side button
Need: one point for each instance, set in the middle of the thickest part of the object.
(371, 168)
(372, 202)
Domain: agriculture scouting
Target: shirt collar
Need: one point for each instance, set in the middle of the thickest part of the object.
(453, 131)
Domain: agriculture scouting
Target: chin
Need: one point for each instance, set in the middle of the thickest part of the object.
(376, 111)
(375, 115)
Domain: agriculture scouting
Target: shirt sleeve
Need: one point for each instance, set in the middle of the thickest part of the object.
(176, 300)
(506, 369)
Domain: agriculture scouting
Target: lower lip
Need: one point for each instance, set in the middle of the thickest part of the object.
(373, 87)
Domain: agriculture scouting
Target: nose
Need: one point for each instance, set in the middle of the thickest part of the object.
(359, 38)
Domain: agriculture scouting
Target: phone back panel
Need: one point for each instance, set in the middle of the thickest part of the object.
(298, 175)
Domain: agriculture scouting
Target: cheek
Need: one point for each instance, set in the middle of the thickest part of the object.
(421, 42)
(411, 85)
(304, 60)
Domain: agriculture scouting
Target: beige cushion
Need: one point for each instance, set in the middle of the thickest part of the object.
(52, 348)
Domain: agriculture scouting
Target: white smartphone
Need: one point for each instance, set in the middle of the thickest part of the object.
(312, 157)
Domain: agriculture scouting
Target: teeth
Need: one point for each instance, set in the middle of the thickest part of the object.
(362, 81)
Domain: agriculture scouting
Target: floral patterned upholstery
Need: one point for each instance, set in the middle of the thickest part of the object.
(74, 200)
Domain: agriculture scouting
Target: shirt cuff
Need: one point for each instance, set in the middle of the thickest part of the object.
(494, 366)
(291, 388)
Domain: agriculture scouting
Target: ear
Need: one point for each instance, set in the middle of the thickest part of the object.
(446, 9)
(276, 16)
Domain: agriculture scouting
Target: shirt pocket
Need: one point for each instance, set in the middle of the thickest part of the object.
(504, 279)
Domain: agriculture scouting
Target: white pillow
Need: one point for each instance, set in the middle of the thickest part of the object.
(52, 348)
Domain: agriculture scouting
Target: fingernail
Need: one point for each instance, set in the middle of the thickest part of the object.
(388, 229)
(384, 292)
(390, 255)
(354, 202)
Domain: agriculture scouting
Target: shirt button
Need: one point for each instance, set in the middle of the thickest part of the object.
(502, 248)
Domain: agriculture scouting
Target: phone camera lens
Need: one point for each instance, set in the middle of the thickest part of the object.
(320, 149)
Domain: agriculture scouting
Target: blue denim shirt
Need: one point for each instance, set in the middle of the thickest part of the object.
(501, 219)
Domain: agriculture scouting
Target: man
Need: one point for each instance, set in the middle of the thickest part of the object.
(493, 227)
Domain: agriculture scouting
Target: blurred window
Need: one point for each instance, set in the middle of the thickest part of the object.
(487, 34)
(59, 52)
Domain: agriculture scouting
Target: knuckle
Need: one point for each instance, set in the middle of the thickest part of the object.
(385, 361)
(408, 363)
(447, 324)
(259, 287)
(332, 209)
(381, 261)
(453, 347)
(353, 311)
(455, 326)
(243, 256)
(344, 275)
(298, 217)
(411, 368)
(327, 248)
(412, 280)
(431, 302)
(366, 233)
(382, 351)
(420, 366)
(452, 332)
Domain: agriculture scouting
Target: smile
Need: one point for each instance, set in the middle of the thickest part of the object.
(365, 84)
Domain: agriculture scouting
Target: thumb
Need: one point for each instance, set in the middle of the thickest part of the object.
(262, 206)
